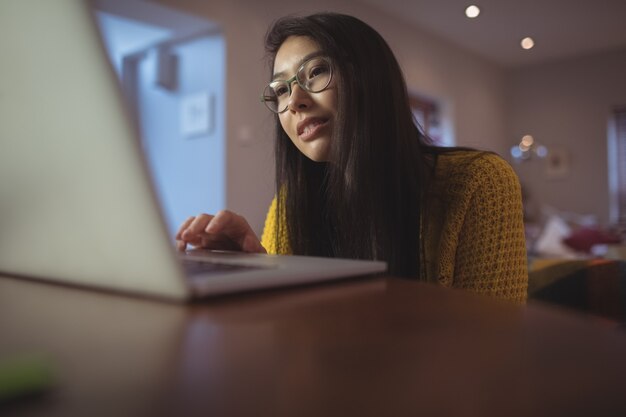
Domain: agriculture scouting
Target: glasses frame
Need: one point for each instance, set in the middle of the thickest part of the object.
(295, 78)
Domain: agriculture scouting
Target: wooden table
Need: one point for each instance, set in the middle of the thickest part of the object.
(370, 347)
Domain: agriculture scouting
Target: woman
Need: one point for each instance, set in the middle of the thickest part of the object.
(355, 178)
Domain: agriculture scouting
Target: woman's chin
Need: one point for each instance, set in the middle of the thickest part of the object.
(316, 150)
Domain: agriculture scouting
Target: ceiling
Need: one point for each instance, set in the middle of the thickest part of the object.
(560, 28)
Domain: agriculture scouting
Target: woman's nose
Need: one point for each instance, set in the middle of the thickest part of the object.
(299, 99)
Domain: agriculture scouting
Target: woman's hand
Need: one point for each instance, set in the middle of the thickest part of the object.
(223, 231)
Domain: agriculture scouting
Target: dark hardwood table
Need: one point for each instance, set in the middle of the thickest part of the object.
(365, 347)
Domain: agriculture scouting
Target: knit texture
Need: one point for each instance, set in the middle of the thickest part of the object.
(473, 230)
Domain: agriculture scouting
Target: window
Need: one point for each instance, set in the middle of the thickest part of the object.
(173, 69)
(617, 165)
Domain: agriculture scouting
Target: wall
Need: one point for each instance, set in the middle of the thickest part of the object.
(471, 89)
(566, 104)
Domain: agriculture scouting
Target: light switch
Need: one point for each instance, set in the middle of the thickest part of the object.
(195, 114)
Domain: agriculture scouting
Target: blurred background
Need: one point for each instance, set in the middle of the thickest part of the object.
(553, 105)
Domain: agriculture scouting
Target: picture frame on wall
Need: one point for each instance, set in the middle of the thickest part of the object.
(557, 163)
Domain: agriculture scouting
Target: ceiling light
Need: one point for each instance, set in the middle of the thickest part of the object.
(527, 43)
(472, 11)
(528, 140)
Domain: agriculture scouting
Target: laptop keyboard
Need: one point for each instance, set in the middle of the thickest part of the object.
(193, 267)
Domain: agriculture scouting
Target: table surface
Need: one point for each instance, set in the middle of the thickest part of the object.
(373, 346)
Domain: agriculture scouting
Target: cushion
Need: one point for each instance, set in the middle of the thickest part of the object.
(584, 238)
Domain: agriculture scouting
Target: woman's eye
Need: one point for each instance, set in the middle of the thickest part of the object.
(317, 71)
(280, 91)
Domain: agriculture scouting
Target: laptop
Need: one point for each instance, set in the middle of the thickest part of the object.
(77, 204)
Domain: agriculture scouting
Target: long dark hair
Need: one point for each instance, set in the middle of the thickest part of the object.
(367, 203)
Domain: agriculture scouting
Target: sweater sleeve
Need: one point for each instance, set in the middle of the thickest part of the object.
(491, 252)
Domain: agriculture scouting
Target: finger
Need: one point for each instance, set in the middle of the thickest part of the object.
(196, 227)
(252, 244)
(184, 227)
(181, 245)
(237, 229)
(230, 224)
(225, 222)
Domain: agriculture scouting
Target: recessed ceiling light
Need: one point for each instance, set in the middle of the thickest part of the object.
(472, 11)
(527, 43)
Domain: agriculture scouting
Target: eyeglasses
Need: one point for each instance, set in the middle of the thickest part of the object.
(314, 76)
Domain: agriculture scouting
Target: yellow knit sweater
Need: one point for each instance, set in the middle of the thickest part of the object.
(473, 230)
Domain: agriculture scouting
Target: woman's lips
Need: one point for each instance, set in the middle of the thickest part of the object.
(310, 128)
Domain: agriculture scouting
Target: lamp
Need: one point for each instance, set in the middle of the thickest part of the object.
(167, 69)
